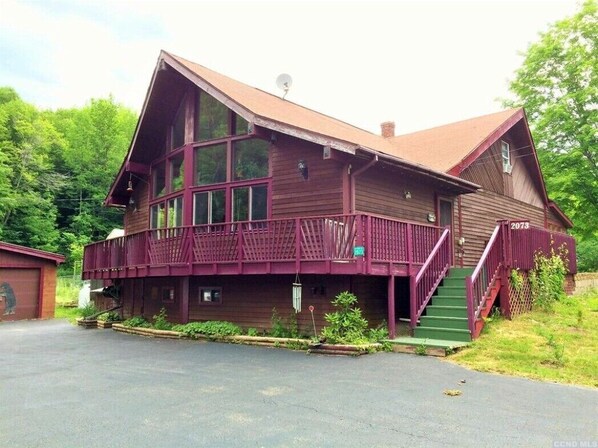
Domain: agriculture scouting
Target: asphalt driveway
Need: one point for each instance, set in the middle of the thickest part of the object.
(63, 386)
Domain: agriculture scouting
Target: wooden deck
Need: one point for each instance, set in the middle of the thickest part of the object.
(339, 244)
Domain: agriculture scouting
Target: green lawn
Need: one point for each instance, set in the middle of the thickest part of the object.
(61, 312)
(67, 290)
(559, 346)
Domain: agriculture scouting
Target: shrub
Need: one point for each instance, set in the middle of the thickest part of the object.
(252, 332)
(209, 328)
(88, 310)
(280, 330)
(112, 316)
(547, 279)
(347, 325)
(160, 322)
(136, 321)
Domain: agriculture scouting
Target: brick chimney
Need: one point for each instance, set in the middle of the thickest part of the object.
(388, 129)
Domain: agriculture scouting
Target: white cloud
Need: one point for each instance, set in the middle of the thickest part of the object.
(418, 63)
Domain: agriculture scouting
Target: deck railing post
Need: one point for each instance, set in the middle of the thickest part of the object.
(297, 244)
(409, 246)
(240, 248)
(470, 305)
(392, 331)
(369, 245)
(412, 301)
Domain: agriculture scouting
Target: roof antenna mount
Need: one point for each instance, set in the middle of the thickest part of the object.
(284, 82)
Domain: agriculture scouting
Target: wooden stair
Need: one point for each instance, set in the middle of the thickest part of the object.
(446, 316)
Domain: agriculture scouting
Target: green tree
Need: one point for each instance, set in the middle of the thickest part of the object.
(558, 86)
(28, 182)
(97, 138)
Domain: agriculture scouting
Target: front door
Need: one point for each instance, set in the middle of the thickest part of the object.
(446, 217)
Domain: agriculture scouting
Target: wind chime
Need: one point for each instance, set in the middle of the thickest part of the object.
(297, 294)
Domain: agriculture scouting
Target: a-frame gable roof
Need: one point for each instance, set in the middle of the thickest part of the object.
(262, 109)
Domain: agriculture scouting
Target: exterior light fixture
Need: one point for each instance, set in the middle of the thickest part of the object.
(303, 170)
(431, 217)
(407, 194)
(130, 184)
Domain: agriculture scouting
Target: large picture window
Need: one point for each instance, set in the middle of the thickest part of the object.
(177, 174)
(208, 207)
(250, 159)
(158, 181)
(250, 203)
(210, 164)
(228, 177)
(213, 120)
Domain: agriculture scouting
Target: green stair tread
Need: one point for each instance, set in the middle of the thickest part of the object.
(439, 343)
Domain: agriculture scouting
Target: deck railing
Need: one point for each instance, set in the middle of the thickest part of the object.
(484, 274)
(334, 238)
(428, 278)
(513, 244)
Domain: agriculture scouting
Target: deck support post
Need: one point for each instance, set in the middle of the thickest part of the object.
(392, 330)
(184, 302)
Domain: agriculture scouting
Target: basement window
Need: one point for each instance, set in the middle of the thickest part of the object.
(167, 294)
(507, 167)
(211, 295)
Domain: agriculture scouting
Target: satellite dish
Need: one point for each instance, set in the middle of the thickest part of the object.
(284, 82)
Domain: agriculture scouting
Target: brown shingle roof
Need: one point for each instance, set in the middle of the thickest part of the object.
(443, 147)
(273, 108)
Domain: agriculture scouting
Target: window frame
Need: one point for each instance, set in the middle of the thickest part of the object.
(188, 190)
(505, 153)
(212, 289)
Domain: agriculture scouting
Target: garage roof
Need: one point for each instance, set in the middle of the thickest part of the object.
(15, 248)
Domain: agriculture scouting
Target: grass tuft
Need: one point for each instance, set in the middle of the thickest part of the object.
(558, 346)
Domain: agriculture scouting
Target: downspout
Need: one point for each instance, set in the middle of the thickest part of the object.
(353, 175)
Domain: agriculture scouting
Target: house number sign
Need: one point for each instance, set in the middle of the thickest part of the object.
(519, 225)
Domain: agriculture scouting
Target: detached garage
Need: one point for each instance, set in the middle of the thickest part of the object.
(27, 282)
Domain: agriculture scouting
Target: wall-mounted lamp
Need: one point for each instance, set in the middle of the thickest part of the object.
(407, 194)
(132, 204)
(130, 184)
(461, 241)
(431, 217)
(303, 170)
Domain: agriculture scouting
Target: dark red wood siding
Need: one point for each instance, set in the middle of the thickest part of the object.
(294, 196)
(137, 218)
(479, 214)
(249, 301)
(382, 191)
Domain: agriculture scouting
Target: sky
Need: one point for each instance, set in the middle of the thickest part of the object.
(417, 63)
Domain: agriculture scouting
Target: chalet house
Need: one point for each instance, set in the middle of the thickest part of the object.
(234, 195)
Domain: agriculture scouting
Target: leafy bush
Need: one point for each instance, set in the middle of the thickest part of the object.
(547, 279)
(280, 330)
(252, 332)
(347, 325)
(160, 322)
(112, 316)
(88, 310)
(378, 334)
(137, 321)
(209, 328)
